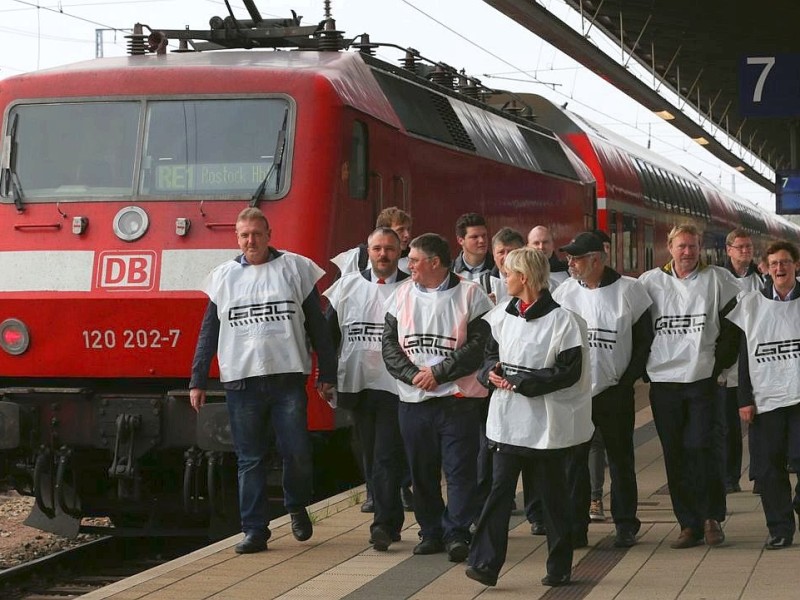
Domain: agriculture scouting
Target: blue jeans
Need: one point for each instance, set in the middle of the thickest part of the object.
(278, 401)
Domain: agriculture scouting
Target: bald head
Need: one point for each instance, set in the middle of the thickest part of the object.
(540, 238)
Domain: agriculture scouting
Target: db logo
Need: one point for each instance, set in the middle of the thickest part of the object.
(126, 270)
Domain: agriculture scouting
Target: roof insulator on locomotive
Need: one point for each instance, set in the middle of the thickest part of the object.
(512, 107)
(183, 44)
(442, 75)
(157, 42)
(137, 44)
(365, 46)
(409, 61)
(330, 39)
(468, 86)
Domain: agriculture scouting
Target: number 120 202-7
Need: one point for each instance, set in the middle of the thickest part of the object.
(102, 339)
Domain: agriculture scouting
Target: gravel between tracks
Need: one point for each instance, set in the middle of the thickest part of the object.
(20, 543)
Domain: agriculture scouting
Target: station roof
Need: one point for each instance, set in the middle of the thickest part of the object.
(694, 46)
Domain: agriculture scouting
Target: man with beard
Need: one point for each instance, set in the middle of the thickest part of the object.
(356, 258)
(356, 315)
(615, 309)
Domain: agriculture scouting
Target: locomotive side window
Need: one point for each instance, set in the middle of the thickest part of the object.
(76, 149)
(218, 147)
(359, 161)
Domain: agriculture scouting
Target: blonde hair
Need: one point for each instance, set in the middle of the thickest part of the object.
(684, 228)
(251, 213)
(532, 264)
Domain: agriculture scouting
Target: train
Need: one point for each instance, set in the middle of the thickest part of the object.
(120, 182)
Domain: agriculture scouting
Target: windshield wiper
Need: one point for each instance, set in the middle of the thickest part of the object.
(9, 180)
(277, 163)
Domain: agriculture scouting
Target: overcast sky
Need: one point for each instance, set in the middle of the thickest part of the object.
(467, 34)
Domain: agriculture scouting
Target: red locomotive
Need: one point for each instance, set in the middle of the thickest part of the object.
(121, 180)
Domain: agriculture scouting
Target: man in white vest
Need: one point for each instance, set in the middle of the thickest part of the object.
(692, 344)
(615, 309)
(356, 259)
(263, 306)
(433, 344)
(769, 386)
(541, 238)
(356, 316)
(740, 264)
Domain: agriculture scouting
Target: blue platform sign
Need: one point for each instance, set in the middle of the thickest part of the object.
(769, 85)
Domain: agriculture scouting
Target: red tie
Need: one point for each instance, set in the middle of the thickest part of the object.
(381, 280)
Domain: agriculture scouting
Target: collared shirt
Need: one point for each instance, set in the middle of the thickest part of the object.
(793, 294)
(375, 277)
(440, 288)
(691, 275)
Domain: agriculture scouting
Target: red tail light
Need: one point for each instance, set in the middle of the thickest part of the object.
(14, 336)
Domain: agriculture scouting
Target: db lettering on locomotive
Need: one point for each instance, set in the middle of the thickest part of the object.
(782, 350)
(429, 343)
(680, 324)
(279, 310)
(125, 270)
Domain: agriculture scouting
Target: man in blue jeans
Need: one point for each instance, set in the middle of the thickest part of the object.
(262, 305)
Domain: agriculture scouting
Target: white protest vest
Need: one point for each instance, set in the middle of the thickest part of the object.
(260, 309)
(557, 420)
(359, 305)
(772, 329)
(685, 316)
(557, 278)
(431, 326)
(610, 312)
(347, 262)
(748, 283)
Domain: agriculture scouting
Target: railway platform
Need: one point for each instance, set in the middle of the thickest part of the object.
(338, 563)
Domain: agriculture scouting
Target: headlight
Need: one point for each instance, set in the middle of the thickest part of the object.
(131, 223)
(14, 336)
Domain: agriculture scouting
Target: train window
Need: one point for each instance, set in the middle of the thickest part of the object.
(75, 149)
(630, 257)
(648, 247)
(612, 233)
(218, 147)
(359, 161)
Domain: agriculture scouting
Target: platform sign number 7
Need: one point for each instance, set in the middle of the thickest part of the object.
(769, 86)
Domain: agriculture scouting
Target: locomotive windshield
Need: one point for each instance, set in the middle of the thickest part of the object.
(160, 149)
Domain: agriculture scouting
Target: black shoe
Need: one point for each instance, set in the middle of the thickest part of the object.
(732, 488)
(457, 551)
(407, 498)
(429, 546)
(484, 576)
(368, 506)
(625, 538)
(395, 537)
(302, 529)
(555, 580)
(380, 539)
(756, 488)
(537, 528)
(778, 542)
(251, 543)
(580, 539)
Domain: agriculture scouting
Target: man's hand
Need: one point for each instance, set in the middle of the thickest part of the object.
(425, 380)
(747, 413)
(325, 390)
(197, 398)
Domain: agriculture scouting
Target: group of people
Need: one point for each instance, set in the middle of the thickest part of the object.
(505, 362)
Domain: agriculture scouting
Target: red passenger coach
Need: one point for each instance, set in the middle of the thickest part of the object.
(121, 181)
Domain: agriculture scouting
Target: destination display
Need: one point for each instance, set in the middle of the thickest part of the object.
(220, 177)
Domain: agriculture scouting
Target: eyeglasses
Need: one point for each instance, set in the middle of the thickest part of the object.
(414, 261)
(784, 262)
(742, 247)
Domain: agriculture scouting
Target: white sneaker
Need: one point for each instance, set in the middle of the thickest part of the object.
(596, 512)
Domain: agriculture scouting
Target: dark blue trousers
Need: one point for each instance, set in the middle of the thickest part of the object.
(378, 430)
(733, 436)
(683, 414)
(442, 434)
(547, 469)
(776, 435)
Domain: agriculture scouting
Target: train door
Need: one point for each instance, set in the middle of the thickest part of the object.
(630, 245)
(648, 246)
(612, 233)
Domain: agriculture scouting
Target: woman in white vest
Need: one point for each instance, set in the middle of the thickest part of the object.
(769, 386)
(537, 366)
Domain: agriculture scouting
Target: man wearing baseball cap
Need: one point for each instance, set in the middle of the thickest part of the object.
(615, 309)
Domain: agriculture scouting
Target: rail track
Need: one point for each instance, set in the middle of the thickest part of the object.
(77, 571)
